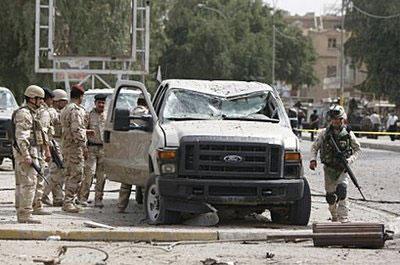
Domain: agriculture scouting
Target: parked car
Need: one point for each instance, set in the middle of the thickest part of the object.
(205, 145)
(7, 106)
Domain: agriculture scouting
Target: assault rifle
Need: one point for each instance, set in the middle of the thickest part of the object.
(56, 154)
(39, 171)
(347, 168)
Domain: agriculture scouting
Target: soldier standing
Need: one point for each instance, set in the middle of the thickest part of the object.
(46, 117)
(125, 190)
(94, 162)
(74, 148)
(56, 179)
(27, 142)
(336, 179)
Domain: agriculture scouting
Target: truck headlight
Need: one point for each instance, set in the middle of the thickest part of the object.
(167, 160)
(168, 168)
(293, 165)
(166, 154)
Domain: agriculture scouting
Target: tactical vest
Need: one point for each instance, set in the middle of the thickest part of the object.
(328, 152)
(36, 137)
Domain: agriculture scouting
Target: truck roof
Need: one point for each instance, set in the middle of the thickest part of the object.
(224, 88)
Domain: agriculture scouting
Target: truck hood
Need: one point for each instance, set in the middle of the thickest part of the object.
(5, 114)
(272, 133)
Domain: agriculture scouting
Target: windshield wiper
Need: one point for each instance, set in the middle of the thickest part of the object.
(185, 119)
(247, 118)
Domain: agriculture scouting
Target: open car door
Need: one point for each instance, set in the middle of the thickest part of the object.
(127, 134)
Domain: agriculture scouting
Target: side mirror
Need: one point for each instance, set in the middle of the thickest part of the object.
(121, 120)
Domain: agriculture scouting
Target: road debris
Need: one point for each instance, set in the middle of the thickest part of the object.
(210, 261)
(269, 255)
(53, 238)
(92, 224)
(205, 219)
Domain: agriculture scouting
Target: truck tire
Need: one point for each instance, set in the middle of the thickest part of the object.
(297, 213)
(139, 195)
(154, 206)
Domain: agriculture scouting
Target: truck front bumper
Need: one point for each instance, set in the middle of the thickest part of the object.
(230, 192)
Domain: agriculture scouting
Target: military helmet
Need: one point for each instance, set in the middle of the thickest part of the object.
(34, 91)
(60, 94)
(48, 93)
(336, 112)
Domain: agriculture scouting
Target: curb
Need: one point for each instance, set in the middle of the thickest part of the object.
(376, 146)
(113, 235)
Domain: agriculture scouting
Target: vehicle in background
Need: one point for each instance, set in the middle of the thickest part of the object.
(7, 106)
(88, 97)
(206, 145)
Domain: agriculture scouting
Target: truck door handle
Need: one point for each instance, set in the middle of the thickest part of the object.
(107, 135)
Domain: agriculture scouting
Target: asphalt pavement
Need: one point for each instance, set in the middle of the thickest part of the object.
(376, 170)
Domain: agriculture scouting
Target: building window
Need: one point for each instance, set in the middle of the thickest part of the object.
(332, 43)
(331, 71)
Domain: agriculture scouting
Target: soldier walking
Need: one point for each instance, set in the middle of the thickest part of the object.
(336, 179)
(74, 148)
(56, 174)
(27, 142)
(94, 162)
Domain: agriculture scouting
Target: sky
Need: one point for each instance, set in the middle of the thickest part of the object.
(301, 7)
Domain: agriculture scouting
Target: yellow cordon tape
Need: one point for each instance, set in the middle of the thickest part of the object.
(356, 132)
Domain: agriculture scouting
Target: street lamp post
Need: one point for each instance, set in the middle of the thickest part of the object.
(203, 6)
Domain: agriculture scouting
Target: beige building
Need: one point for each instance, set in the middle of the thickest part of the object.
(325, 34)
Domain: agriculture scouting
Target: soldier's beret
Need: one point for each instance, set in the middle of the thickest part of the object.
(78, 87)
(100, 97)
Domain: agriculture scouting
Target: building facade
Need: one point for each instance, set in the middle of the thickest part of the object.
(325, 33)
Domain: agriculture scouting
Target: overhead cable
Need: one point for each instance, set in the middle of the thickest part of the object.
(372, 15)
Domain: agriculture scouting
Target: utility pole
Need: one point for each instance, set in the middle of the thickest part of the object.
(342, 59)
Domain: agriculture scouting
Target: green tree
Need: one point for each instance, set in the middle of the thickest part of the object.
(375, 43)
(232, 39)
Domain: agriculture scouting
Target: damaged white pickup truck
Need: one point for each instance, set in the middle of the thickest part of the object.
(225, 144)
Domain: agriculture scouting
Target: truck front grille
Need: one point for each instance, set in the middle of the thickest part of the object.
(229, 158)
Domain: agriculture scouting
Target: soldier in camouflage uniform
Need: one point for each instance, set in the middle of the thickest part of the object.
(27, 143)
(46, 117)
(336, 179)
(73, 141)
(94, 162)
(56, 174)
(125, 190)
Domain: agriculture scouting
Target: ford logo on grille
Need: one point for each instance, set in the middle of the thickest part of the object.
(233, 159)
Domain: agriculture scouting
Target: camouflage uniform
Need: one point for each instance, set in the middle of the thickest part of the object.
(73, 142)
(94, 161)
(46, 118)
(55, 175)
(28, 141)
(336, 180)
(125, 189)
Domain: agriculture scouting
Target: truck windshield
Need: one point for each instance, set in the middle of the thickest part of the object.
(7, 100)
(189, 105)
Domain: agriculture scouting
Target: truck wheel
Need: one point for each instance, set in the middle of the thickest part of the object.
(155, 208)
(297, 213)
(139, 195)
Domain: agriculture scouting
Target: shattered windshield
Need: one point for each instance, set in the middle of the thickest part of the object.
(7, 100)
(190, 105)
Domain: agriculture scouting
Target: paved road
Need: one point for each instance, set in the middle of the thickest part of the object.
(376, 170)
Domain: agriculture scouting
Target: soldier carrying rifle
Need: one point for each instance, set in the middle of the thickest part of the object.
(335, 167)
